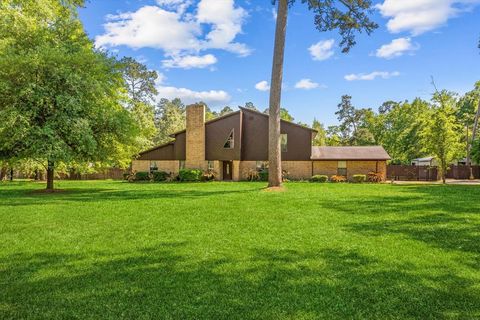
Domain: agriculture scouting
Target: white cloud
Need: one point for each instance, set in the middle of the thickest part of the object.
(262, 86)
(274, 14)
(213, 97)
(226, 22)
(306, 84)
(169, 27)
(420, 16)
(188, 96)
(188, 62)
(322, 50)
(371, 76)
(396, 48)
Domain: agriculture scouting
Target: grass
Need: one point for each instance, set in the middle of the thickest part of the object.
(112, 250)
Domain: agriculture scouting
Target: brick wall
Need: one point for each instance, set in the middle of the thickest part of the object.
(141, 165)
(218, 168)
(364, 167)
(162, 165)
(195, 137)
(236, 173)
(298, 170)
(245, 167)
(328, 168)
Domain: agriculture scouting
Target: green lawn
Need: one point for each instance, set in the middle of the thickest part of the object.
(110, 250)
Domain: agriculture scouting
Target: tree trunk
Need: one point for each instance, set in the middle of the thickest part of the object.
(475, 123)
(50, 175)
(11, 174)
(468, 146)
(274, 150)
(3, 173)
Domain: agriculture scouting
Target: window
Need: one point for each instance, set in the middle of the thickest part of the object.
(262, 165)
(210, 165)
(284, 141)
(182, 164)
(229, 143)
(153, 166)
(342, 168)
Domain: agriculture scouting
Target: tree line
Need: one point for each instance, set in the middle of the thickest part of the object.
(66, 105)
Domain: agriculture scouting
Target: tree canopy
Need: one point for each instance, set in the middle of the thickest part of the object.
(61, 100)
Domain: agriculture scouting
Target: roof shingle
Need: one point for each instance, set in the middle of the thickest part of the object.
(350, 153)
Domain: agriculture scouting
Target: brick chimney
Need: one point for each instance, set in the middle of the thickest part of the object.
(195, 137)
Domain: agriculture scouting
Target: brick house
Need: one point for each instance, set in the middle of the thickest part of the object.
(234, 144)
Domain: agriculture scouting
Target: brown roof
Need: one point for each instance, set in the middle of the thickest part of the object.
(156, 147)
(350, 153)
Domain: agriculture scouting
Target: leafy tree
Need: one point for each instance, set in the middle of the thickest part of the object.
(60, 99)
(387, 106)
(467, 114)
(354, 123)
(284, 114)
(440, 131)
(476, 151)
(346, 16)
(225, 110)
(398, 130)
(140, 83)
(334, 136)
(169, 118)
(139, 80)
(250, 105)
(321, 136)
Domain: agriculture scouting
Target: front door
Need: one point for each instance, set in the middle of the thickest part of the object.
(227, 170)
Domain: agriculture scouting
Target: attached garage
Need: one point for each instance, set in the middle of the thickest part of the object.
(349, 161)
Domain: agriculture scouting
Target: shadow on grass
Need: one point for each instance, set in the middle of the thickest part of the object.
(163, 283)
(23, 197)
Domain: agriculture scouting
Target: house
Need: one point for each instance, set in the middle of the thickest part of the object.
(236, 143)
(427, 161)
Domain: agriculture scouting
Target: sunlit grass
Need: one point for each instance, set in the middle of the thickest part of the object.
(110, 250)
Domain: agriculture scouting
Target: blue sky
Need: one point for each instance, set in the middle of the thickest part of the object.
(220, 51)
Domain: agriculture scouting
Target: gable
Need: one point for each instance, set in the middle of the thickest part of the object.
(255, 138)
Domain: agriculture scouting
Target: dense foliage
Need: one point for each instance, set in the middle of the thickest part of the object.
(60, 99)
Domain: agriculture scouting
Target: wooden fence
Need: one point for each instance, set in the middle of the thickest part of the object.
(111, 173)
(411, 173)
(463, 172)
(425, 173)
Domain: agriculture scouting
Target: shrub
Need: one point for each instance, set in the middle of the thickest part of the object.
(209, 175)
(142, 176)
(374, 177)
(190, 175)
(263, 175)
(159, 176)
(252, 175)
(337, 178)
(359, 178)
(319, 178)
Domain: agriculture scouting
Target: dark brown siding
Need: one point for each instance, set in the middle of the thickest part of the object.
(255, 139)
(216, 133)
(160, 153)
(179, 146)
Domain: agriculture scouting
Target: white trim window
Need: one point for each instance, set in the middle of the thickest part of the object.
(230, 142)
(342, 168)
(153, 166)
(284, 142)
(210, 165)
(261, 165)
